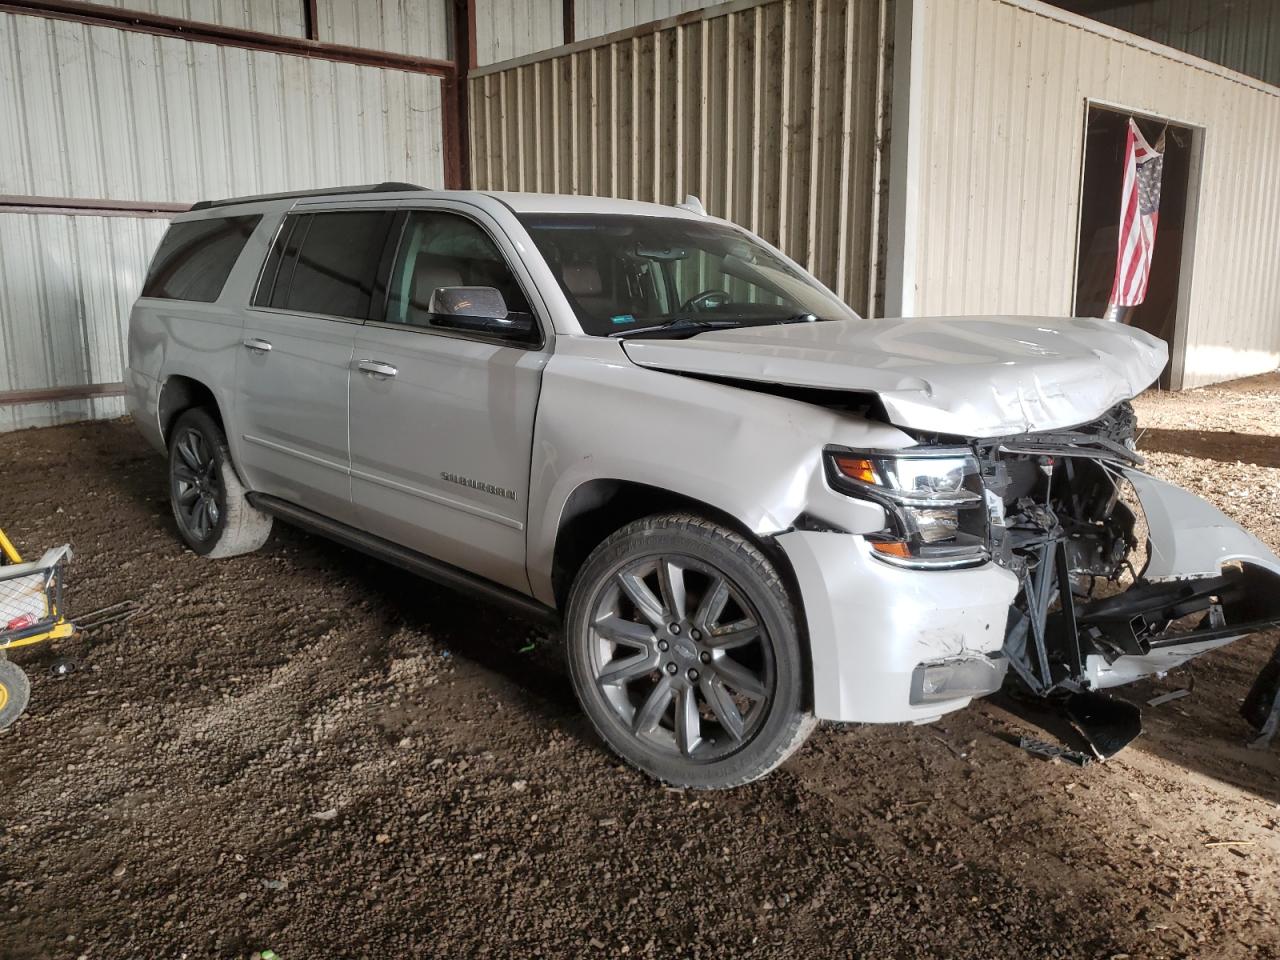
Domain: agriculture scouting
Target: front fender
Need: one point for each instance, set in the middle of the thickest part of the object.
(756, 457)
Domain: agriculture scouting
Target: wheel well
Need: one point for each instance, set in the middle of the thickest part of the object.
(599, 507)
(179, 395)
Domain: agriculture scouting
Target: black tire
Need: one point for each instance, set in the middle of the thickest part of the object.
(622, 674)
(15, 692)
(210, 507)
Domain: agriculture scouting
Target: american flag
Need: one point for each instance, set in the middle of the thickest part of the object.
(1139, 212)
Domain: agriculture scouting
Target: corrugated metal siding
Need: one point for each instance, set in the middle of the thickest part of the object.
(766, 112)
(595, 18)
(1005, 91)
(66, 286)
(100, 113)
(506, 29)
(282, 17)
(169, 120)
(1241, 34)
(419, 28)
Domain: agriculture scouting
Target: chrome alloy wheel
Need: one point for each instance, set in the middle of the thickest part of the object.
(197, 485)
(682, 657)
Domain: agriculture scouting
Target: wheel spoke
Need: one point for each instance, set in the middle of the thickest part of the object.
(213, 511)
(736, 634)
(626, 632)
(712, 605)
(187, 451)
(739, 678)
(202, 518)
(190, 513)
(187, 495)
(184, 473)
(688, 723)
(626, 668)
(722, 705)
(671, 579)
(650, 607)
(655, 705)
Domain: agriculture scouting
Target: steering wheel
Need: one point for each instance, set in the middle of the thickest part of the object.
(706, 300)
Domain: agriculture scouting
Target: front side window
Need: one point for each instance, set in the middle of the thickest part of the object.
(442, 250)
(195, 258)
(624, 273)
(326, 263)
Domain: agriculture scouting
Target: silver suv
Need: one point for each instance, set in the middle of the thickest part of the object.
(748, 507)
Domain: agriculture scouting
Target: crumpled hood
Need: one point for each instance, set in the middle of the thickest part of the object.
(968, 376)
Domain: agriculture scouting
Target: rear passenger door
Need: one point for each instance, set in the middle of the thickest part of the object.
(442, 418)
(316, 289)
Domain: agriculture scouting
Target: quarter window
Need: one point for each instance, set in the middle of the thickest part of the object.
(195, 258)
(445, 250)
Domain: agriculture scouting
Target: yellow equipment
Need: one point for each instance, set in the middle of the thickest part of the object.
(30, 612)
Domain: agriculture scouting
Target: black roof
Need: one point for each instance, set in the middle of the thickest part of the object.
(391, 186)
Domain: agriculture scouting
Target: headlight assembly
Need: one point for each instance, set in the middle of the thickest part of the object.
(933, 498)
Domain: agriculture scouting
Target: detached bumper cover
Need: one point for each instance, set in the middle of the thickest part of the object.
(873, 626)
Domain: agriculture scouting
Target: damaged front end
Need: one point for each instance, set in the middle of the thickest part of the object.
(1122, 575)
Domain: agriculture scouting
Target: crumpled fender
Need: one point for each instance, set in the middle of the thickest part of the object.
(1189, 537)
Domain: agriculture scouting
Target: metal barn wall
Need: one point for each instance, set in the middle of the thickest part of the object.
(99, 113)
(282, 17)
(767, 111)
(420, 28)
(595, 18)
(506, 29)
(1241, 34)
(1000, 141)
(66, 286)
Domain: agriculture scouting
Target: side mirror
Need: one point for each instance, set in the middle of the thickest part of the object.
(478, 310)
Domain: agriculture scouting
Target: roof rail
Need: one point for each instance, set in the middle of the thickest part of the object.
(391, 186)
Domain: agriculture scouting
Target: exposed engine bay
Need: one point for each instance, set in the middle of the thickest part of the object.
(1065, 515)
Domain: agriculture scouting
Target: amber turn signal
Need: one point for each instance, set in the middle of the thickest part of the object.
(857, 468)
(893, 548)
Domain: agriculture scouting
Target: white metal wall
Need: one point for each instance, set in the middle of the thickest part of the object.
(66, 285)
(768, 111)
(506, 29)
(282, 17)
(1004, 91)
(96, 112)
(419, 28)
(1241, 34)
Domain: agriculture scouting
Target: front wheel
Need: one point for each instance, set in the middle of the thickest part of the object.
(685, 655)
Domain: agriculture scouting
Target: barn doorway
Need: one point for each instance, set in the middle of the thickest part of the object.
(1163, 311)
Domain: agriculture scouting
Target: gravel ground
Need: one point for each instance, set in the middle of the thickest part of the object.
(308, 751)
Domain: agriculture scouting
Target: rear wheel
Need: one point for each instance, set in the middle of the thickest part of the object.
(685, 654)
(15, 692)
(213, 514)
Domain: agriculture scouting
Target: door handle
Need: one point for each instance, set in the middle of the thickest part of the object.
(376, 369)
(258, 345)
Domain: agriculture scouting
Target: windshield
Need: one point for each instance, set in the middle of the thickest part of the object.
(660, 276)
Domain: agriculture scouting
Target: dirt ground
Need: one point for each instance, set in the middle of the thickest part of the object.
(310, 752)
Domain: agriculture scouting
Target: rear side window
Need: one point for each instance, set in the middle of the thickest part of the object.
(195, 258)
(325, 263)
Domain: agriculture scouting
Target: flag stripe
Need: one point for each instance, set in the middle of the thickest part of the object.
(1136, 238)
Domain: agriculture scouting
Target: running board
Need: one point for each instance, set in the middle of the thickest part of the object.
(417, 563)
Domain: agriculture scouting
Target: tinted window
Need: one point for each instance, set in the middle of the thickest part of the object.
(444, 250)
(195, 258)
(329, 263)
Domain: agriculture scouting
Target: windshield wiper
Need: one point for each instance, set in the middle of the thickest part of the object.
(676, 324)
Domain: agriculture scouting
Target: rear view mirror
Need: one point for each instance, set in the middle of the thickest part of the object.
(479, 310)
